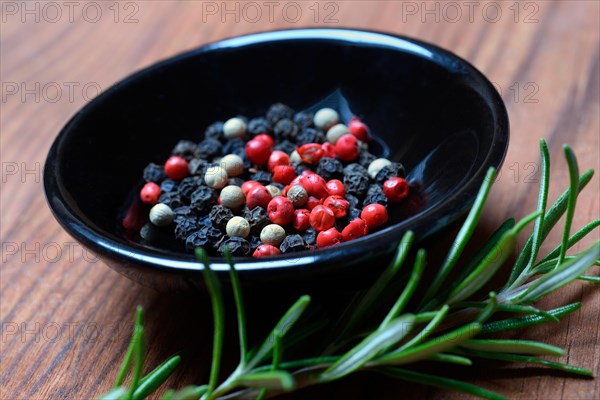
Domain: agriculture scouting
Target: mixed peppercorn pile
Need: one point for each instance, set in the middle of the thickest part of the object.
(280, 183)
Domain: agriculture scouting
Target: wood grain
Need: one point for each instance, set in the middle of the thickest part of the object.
(66, 318)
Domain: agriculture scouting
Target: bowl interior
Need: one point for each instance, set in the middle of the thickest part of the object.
(434, 112)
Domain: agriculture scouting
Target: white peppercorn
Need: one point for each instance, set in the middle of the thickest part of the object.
(297, 195)
(232, 164)
(237, 226)
(326, 118)
(272, 234)
(295, 157)
(376, 165)
(216, 177)
(273, 190)
(232, 197)
(336, 132)
(234, 128)
(161, 215)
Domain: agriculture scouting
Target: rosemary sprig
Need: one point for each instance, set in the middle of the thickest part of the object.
(448, 324)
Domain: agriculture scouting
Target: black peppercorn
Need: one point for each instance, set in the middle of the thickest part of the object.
(197, 166)
(238, 246)
(204, 221)
(352, 200)
(183, 213)
(304, 119)
(329, 168)
(279, 111)
(235, 181)
(309, 135)
(207, 236)
(235, 146)
(208, 148)
(375, 196)
(285, 129)
(257, 126)
(154, 235)
(184, 149)
(241, 152)
(219, 216)
(168, 185)
(286, 146)
(185, 228)
(300, 167)
(365, 158)
(293, 243)
(355, 168)
(188, 185)
(214, 131)
(254, 242)
(310, 236)
(353, 213)
(390, 171)
(202, 200)
(257, 218)
(247, 164)
(356, 184)
(171, 199)
(263, 177)
(154, 173)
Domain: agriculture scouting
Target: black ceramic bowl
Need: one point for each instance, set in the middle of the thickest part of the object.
(430, 109)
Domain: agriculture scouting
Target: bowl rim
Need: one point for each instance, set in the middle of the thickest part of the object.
(72, 220)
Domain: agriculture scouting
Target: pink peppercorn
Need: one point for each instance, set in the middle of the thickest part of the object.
(321, 218)
(374, 215)
(395, 189)
(177, 168)
(280, 210)
(328, 150)
(301, 221)
(330, 237)
(263, 137)
(249, 185)
(311, 153)
(150, 193)
(315, 186)
(336, 188)
(276, 158)
(258, 151)
(283, 174)
(355, 229)
(337, 204)
(359, 129)
(258, 197)
(312, 202)
(265, 250)
(347, 148)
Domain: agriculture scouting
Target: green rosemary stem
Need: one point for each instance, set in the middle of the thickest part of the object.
(214, 289)
(239, 305)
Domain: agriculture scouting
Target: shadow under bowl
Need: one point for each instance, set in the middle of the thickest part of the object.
(429, 109)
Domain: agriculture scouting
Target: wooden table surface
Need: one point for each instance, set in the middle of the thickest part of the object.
(66, 318)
